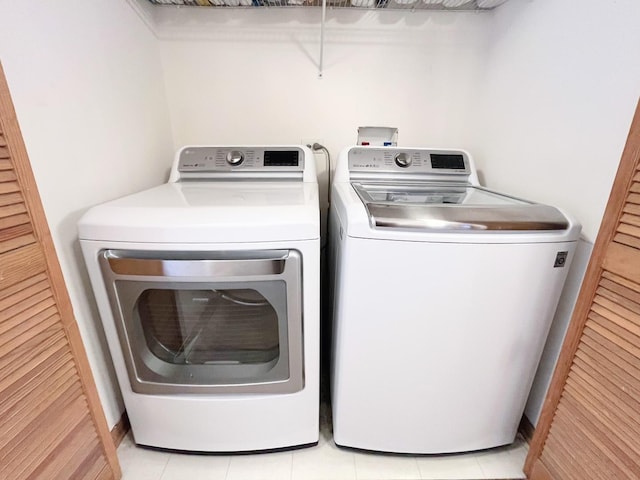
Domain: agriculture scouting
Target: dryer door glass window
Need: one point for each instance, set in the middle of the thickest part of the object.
(208, 325)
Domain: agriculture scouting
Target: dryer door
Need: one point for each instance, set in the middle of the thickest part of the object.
(206, 322)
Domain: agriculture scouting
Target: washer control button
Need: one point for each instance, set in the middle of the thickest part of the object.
(234, 157)
(403, 160)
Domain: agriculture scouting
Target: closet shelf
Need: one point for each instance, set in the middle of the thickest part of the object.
(324, 5)
(447, 5)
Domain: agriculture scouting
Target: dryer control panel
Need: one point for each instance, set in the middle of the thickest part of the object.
(371, 161)
(213, 159)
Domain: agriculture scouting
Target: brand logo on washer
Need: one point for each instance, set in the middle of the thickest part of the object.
(561, 259)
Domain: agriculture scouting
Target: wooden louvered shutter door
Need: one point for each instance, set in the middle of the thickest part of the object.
(590, 423)
(51, 421)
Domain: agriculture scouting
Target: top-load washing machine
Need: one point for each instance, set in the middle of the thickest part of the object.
(443, 295)
(208, 290)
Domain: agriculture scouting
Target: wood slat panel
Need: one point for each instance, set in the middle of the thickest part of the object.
(26, 291)
(623, 260)
(616, 334)
(635, 286)
(79, 445)
(617, 298)
(621, 281)
(619, 315)
(633, 198)
(572, 453)
(4, 152)
(52, 404)
(36, 325)
(14, 220)
(591, 355)
(3, 141)
(5, 164)
(18, 287)
(13, 428)
(618, 291)
(9, 187)
(632, 208)
(11, 210)
(597, 385)
(559, 462)
(630, 230)
(36, 443)
(91, 465)
(616, 353)
(29, 388)
(606, 455)
(636, 177)
(615, 324)
(611, 360)
(11, 199)
(628, 240)
(18, 265)
(540, 472)
(98, 471)
(630, 219)
(7, 175)
(17, 242)
(635, 187)
(43, 349)
(583, 382)
(592, 452)
(17, 325)
(18, 304)
(605, 415)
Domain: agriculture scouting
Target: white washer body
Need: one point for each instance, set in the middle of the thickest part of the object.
(216, 216)
(437, 334)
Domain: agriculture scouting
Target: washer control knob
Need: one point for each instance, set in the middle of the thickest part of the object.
(403, 160)
(234, 157)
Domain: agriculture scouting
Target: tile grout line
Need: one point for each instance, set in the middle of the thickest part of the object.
(291, 468)
(484, 475)
(164, 469)
(226, 473)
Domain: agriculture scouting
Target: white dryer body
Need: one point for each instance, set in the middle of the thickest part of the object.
(208, 291)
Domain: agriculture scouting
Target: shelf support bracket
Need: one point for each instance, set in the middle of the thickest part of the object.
(324, 17)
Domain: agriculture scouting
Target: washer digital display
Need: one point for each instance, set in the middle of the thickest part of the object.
(447, 161)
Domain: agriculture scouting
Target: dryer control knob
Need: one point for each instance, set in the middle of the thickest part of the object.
(403, 160)
(234, 157)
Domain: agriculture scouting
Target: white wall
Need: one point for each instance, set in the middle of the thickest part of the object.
(556, 97)
(251, 76)
(555, 102)
(88, 89)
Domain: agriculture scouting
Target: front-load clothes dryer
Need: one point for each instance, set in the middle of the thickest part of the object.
(443, 295)
(208, 290)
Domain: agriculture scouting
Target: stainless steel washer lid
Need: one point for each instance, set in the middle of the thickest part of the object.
(451, 206)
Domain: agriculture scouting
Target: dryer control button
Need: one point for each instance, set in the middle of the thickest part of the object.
(403, 160)
(234, 157)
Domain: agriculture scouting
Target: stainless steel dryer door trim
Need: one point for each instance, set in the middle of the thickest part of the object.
(275, 274)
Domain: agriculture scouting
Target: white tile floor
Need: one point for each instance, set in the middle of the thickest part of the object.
(322, 462)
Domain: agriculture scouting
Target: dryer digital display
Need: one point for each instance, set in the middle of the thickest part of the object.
(281, 158)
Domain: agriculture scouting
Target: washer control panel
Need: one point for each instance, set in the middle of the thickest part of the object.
(371, 160)
(242, 159)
